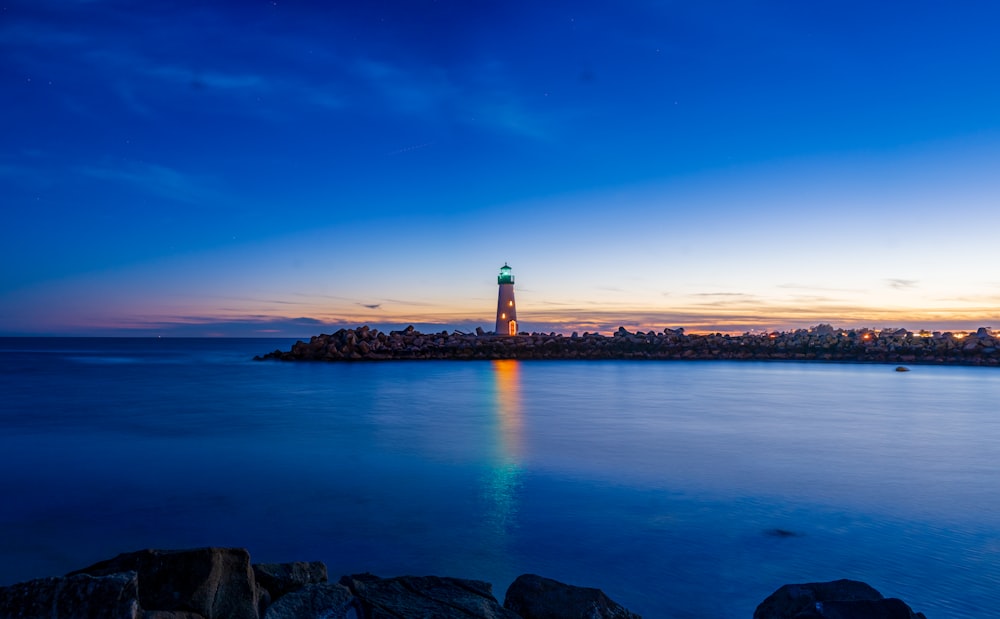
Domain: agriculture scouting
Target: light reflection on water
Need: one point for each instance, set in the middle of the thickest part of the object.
(658, 482)
(504, 478)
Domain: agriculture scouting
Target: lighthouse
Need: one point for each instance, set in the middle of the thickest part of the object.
(506, 310)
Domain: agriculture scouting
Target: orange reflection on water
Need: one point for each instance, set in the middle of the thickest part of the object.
(506, 373)
(501, 486)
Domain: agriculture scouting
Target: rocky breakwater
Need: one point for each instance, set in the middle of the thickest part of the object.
(222, 583)
(821, 343)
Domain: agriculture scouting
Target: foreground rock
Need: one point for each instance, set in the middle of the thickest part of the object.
(279, 579)
(208, 583)
(839, 599)
(80, 597)
(822, 343)
(314, 601)
(216, 583)
(424, 596)
(535, 597)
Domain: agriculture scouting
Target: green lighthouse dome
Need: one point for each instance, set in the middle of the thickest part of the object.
(505, 277)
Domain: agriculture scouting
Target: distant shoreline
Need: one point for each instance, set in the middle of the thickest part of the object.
(822, 344)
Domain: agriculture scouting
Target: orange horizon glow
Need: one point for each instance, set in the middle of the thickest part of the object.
(290, 314)
(277, 325)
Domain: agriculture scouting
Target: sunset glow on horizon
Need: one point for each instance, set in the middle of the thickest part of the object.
(716, 167)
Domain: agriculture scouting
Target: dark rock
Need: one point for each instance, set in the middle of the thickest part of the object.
(170, 614)
(535, 597)
(902, 368)
(282, 578)
(891, 608)
(781, 533)
(313, 601)
(424, 596)
(216, 583)
(823, 343)
(114, 596)
(790, 600)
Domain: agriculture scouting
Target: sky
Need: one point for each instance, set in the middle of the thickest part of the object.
(285, 168)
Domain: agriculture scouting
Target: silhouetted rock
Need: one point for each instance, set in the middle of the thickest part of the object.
(790, 600)
(313, 601)
(822, 343)
(424, 596)
(839, 599)
(890, 608)
(535, 597)
(113, 596)
(781, 533)
(283, 578)
(216, 583)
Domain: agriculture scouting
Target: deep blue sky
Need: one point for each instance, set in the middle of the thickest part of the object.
(270, 167)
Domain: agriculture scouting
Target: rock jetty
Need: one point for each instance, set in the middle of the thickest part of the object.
(821, 343)
(846, 599)
(222, 583)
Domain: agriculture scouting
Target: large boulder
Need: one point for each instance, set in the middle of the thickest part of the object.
(283, 578)
(535, 597)
(313, 601)
(889, 608)
(216, 583)
(838, 599)
(73, 597)
(424, 596)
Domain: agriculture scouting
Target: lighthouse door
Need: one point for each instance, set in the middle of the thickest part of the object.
(512, 327)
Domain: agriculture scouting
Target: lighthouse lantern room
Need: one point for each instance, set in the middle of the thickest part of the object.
(506, 309)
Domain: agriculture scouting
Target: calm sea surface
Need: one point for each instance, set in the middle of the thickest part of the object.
(664, 483)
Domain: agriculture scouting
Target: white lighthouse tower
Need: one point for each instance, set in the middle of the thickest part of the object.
(506, 310)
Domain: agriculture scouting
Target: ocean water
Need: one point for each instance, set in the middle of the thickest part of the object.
(682, 489)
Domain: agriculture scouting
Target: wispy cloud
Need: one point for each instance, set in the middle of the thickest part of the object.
(794, 286)
(203, 80)
(17, 171)
(34, 34)
(155, 179)
(482, 94)
(414, 91)
(427, 90)
(408, 303)
(901, 284)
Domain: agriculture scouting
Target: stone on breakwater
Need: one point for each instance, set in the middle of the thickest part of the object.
(80, 597)
(838, 599)
(424, 596)
(890, 608)
(279, 579)
(314, 601)
(864, 345)
(534, 597)
(216, 583)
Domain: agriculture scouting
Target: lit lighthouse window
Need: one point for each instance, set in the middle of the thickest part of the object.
(502, 316)
(510, 304)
